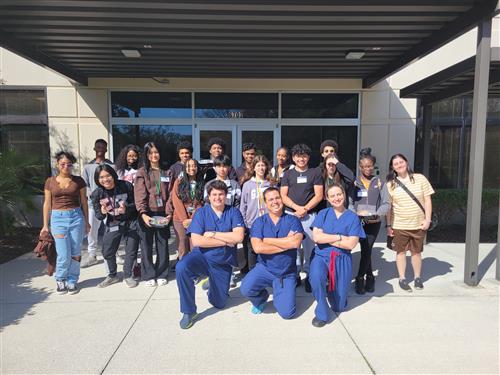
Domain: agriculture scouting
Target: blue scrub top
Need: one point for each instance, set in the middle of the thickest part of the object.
(348, 224)
(278, 264)
(206, 220)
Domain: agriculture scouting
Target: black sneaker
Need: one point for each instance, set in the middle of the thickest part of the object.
(318, 323)
(72, 289)
(359, 285)
(307, 285)
(418, 284)
(403, 284)
(61, 287)
(370, 284)
(298, 282)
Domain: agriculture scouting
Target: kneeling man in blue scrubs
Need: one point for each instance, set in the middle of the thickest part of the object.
(215, 230)
(275, 238)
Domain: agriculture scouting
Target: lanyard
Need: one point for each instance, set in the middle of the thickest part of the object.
(157, 182)
(260, 198)
(192, 189)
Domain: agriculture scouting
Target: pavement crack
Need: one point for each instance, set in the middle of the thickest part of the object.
(128, 331)
(356, 345)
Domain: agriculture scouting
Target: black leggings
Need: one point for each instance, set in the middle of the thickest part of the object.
(365, 263)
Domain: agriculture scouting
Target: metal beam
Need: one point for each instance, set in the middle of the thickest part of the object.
(427, 117)
(13, 44)
(498, 244)
(457, 90)
(439, 38)
(476, 161)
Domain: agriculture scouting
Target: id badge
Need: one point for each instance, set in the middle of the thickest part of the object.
(302, 179)
(114, 228)
(362, 194)
(159, 202)
(165, 179)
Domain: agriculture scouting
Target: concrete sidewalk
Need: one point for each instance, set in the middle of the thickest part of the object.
(445, 328)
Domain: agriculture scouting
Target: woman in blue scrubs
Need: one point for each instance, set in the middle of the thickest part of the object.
(215, 230)
(336, 231)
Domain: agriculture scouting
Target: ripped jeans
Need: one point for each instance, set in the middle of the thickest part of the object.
(67, 227)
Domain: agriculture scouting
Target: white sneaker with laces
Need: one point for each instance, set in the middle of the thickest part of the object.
(162, 282)
(151, 282)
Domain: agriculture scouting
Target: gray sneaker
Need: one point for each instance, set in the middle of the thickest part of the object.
(109, 280)
(131, 282)
(418, 284)
(403, 284)
(89, 261)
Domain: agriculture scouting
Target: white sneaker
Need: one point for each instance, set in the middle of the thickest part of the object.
(120, 260)
(151, 282)
(162, 282)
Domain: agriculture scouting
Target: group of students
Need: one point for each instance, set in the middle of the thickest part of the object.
(288, 218)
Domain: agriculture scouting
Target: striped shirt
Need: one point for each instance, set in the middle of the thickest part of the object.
(406, 214)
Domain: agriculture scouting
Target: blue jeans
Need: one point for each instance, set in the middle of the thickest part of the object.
(307, 243)
(67, 227)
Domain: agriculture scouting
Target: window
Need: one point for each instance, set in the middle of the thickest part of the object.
(450, 143)
(345, 136)
(319, 106)
(23, 125)
(166, 137)
(236, 105)
(151, 104)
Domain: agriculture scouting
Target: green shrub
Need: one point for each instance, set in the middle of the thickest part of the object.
(451, 205)
(18, 184)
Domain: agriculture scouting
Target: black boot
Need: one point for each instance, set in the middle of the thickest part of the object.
(360, 285)
(370, 283)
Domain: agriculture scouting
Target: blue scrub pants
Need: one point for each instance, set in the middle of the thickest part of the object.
(254, 286)
(196, 264)
(318, 277)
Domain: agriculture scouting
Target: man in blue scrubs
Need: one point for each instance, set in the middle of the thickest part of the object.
(275, 238)
(215, 231)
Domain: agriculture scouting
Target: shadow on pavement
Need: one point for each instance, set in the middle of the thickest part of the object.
(17, 296)
(486, 263)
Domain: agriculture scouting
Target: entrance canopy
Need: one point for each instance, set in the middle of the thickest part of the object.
(223, 38)
(457, 80)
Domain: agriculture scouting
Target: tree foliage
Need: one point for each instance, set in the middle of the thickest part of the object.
(19, 181)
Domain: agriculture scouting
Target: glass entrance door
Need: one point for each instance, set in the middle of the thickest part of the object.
(264, 136)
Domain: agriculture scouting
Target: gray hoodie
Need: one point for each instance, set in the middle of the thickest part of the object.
(250, 206)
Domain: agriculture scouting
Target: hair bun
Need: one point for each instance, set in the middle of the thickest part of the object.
(365, 151)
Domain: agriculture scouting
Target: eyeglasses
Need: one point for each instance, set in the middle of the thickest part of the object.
(65, 165)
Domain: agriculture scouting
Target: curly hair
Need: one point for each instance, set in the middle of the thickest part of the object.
(65, 154)
(121, 163)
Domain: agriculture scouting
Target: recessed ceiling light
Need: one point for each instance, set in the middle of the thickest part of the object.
(148, 46)
(376, 48)
(131, 53)
(354, 55)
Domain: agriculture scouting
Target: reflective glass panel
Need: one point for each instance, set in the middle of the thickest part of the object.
(166, 137)
(236, 105)
(319, 105)
(151, 104)
(345, 136)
